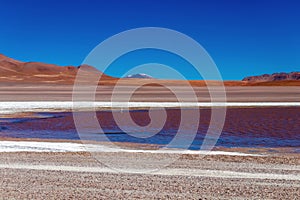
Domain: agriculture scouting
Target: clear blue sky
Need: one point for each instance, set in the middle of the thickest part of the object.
(243, 37)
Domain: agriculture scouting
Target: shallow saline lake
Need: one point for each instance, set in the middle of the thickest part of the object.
(244, 127)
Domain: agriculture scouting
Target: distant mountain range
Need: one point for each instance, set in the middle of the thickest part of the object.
(17, 72)
(274, 77)
(141, 75)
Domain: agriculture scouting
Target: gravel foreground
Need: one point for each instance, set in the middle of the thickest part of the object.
(81, 176)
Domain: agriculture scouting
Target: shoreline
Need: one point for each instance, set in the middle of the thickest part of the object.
(38, 145)
(69, 106)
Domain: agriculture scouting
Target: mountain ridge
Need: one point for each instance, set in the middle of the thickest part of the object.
(282, 76)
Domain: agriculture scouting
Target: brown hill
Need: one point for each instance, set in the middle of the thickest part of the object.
(27, 72)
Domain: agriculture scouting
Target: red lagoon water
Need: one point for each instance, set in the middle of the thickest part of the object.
(244, 127)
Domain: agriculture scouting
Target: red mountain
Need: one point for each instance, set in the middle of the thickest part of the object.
(16, 71)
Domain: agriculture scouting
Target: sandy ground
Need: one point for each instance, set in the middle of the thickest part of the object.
(84, 176)
(44, 92)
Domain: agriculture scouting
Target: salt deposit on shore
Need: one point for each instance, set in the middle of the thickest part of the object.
(48, 106)
(33, 146)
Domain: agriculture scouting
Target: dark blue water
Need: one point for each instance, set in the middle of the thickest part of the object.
(244, 127)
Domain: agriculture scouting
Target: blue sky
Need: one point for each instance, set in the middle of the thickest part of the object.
(245, 37)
